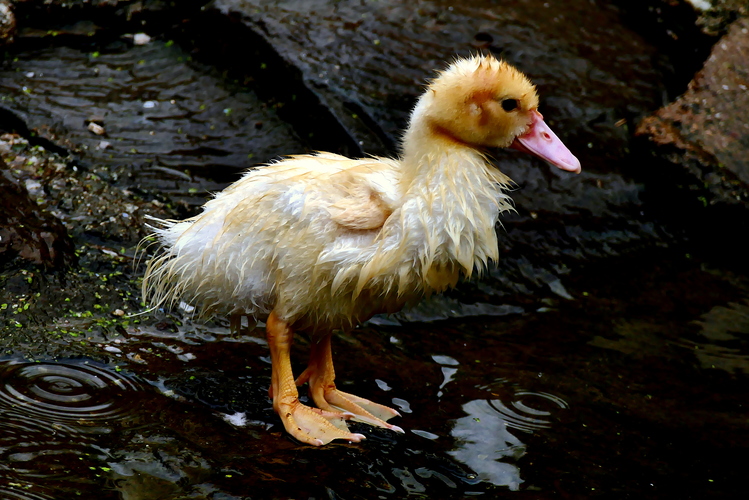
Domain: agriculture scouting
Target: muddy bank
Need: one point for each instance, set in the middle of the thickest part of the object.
(67, 258)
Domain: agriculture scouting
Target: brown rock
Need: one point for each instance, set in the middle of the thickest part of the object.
(706, 131)
(28, 232)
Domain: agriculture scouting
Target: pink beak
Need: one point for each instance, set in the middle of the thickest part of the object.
(540, 141)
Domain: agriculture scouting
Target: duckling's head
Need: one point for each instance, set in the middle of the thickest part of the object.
(484, 102)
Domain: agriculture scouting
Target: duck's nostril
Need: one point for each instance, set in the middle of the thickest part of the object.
(546, 136)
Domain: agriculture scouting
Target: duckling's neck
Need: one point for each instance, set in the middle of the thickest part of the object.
(422, 145)
(427, 151)
(427, 148)
(455, 195)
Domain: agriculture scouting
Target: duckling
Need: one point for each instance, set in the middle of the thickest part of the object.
(318, 243)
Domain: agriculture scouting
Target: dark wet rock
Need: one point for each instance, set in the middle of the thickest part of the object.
(166, 122)
(26, 231)
(367, 63)
(704, 132)
(127, 7)
(670, 25)
(81, 199)
(680, 19)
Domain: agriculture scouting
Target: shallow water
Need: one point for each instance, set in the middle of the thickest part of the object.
(633, 387)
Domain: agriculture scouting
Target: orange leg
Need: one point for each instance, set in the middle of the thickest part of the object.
(321, 376)
(309, 425)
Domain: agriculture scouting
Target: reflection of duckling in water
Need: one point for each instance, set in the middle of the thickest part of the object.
(320, 242)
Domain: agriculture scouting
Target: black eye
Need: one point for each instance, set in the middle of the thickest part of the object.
(510, 104)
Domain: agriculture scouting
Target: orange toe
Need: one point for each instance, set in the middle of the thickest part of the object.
(364, 410)
(314, 426)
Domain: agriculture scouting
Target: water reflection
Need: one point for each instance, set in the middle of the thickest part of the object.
(425, 473)
(449, 369)
(724, 332)
(160, 467)
(196, 333)
(483, 438)
(408, 481)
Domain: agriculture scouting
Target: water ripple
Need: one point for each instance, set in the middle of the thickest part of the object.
(723, 340)
(63, 397)
(526, 418)
(483, 439)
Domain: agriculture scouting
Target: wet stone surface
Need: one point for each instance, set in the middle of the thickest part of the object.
(161, 121)
(557, 49)
(705, 132)
(607, 356)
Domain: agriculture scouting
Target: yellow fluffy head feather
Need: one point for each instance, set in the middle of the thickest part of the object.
(481, 101)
